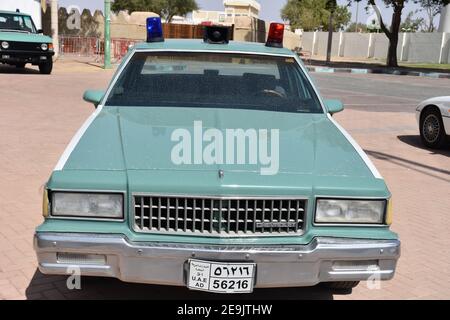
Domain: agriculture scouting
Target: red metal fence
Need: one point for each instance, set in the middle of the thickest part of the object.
(82, 46)
(93, 47)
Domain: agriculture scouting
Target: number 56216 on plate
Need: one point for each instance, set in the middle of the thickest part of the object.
(221, 277)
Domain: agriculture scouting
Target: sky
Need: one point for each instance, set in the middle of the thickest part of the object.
(270, 9)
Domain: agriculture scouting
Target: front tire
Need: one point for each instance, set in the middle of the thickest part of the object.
(344, 285)
(46, 67)
(432, 132)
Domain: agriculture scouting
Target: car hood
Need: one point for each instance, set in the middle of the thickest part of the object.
(140, 139)
(24, 37)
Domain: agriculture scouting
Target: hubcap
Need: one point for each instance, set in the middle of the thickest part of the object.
(431, 128)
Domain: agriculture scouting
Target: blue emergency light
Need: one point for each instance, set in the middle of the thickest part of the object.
(154, 30)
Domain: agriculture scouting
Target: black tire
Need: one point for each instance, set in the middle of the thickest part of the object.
(20, 65)
(432, 131)
(344, 285)
(46, 67)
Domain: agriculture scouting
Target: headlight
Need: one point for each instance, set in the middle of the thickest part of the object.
(350, 211)
(5, 45)
(90, 205)
(44, 46)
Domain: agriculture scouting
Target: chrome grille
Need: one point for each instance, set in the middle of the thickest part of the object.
(216, 216)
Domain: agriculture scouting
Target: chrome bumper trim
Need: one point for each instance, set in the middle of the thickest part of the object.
(165, 263)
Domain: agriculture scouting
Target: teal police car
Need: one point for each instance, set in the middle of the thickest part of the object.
(216, 165)
(22, 43)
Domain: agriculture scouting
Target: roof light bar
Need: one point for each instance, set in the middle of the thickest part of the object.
(276, 35)
(154, 30)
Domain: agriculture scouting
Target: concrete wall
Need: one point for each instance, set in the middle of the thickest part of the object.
(447, 47)
(448, 56)
(412, 47)
(380, 45)
(424, 47)
(307, 41)
(356, 44)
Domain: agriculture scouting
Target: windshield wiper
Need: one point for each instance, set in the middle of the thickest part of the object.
(15, 30)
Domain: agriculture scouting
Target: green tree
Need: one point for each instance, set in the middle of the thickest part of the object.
(170, 8)
(306, 14)
(361, 27)
(411, 23)
(341, 18)
(167, 9)
(393, 31)
(431, 8)
(132, 5)
(311, 15)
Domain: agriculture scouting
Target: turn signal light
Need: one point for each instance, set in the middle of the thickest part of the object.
(389, 212)
(45, 203)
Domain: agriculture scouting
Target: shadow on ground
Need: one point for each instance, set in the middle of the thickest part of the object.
(12, 69)
(55, 287)
(414, 141)
(431, 171)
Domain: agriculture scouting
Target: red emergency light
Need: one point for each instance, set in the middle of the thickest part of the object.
(276, 34)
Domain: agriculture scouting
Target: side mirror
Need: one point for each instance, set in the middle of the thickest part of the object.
(334, 106)
(93, 96)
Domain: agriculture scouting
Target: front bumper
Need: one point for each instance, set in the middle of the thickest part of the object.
(322, 260)
(20, 56)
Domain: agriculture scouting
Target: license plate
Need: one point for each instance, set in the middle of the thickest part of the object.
(221, 277)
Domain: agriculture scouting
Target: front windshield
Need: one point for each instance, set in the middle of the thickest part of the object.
(214, 80)
(16, 22)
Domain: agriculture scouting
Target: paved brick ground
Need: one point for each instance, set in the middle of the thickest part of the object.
(39, 115)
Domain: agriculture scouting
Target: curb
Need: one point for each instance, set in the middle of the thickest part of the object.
(435, 75)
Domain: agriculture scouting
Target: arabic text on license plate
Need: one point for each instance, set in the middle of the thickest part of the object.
(221, 277)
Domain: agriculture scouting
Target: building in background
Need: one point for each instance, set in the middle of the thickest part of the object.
(242, 8)
(181, 20)
(31, 7)
(444, 25)
(204, 16)
(232, 9)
